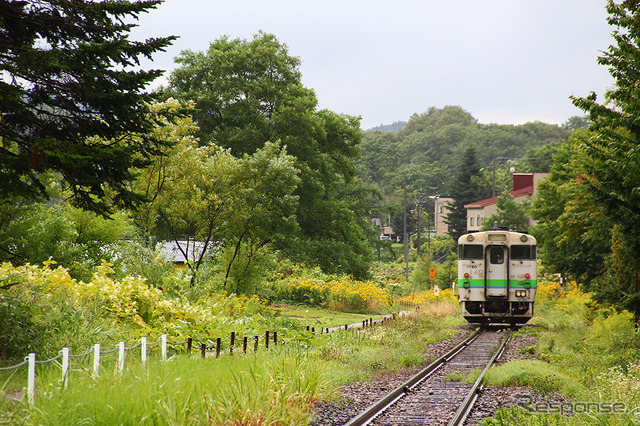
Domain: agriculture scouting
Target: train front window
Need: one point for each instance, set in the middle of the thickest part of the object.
(523, 252)
(470, 251)
(496, 255)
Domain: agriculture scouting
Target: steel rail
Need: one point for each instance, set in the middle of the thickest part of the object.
(387, 401)
(472, 396)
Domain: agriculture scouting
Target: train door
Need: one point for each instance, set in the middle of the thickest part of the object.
(497, 272)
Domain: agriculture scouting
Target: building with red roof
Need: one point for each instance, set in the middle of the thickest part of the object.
(524, 187)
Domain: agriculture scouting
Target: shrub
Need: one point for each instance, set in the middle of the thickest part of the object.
(342, 294)
(43, 309)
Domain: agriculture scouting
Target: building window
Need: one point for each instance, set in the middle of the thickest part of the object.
(479, 221)
(471, 221)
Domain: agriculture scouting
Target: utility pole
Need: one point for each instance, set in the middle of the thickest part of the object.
(419, 200)
(404, 234)
(493, 187)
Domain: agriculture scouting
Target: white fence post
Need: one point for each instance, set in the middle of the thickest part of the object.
(121, 351)
(65, 367)
(31, 379)
(96, 359)
(143, 349)
(163, 338)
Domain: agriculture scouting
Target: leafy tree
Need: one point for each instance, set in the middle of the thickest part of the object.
(511, 213)
(435, 117)
(612, 148)
(67, 79)
(248, 93)
(245, 92)
(576, 122)
(191, 199)
(572, 232)
(204, 195)
(379, 159)
(71, 237)
(264, 208)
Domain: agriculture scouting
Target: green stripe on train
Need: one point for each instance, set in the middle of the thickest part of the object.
(515, 284)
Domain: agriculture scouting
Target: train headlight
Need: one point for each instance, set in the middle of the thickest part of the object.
(521, 293)
(526, 283)
(466, 283)
(469, 237)
(523, 238)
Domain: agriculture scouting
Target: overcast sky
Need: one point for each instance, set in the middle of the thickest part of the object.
(504, 61)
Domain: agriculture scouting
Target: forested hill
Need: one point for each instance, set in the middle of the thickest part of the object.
(393, 127)
(439, 137)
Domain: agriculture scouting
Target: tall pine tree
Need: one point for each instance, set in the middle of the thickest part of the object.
(464, 189)
(67, 79)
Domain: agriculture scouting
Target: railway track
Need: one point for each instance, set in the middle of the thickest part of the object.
(433, 396)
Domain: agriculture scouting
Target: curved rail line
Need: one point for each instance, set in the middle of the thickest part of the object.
(383, 404)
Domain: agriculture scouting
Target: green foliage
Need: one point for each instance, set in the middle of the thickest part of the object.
(68, 77)
(610, 150)
(540, 376)
(76, 239)
(518, 416)
(428, 154)
(442, 135)
(447, 271)
(394, 347)
(249, 93)
(242, 271)
(35, 319)
(245, 91)
(419, 277)
(206, 196)
(45, 307)
(511, 213)
(573, 233)
(278, 387)
(466, 190)
(137, 259)
(583, 337)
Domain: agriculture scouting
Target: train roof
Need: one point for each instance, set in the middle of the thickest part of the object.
(518, 237)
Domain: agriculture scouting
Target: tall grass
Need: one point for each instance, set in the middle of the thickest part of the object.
(277, 387)
(401, 344)
(585, 352)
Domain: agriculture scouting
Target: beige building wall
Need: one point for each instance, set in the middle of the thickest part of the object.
(489, 207)
(440, 214)
(475, 216)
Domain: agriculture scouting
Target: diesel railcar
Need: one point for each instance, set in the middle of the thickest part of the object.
(497, 273)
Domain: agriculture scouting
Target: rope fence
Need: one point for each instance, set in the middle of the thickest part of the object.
(216, 349)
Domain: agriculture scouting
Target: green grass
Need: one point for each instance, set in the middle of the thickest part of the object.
(583, 354)
(276, 386)
(400, 344)
(543, 377)
(317, 317)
